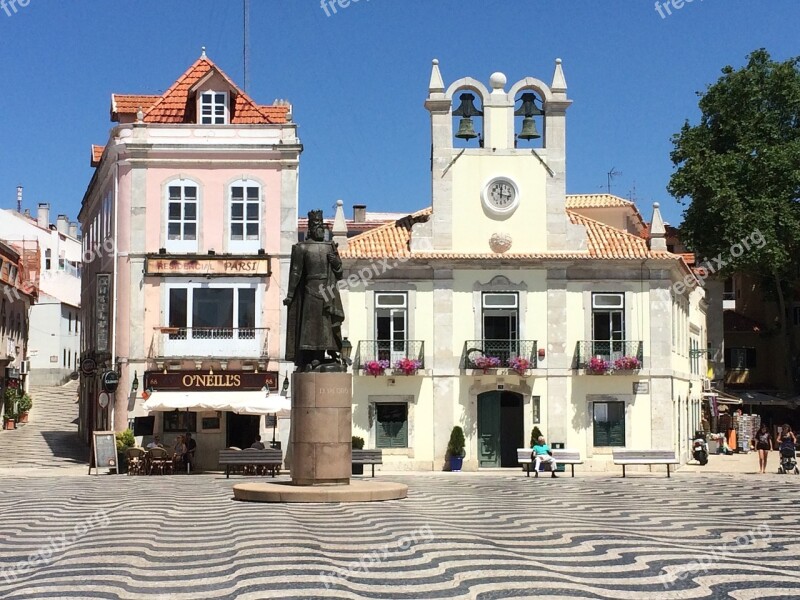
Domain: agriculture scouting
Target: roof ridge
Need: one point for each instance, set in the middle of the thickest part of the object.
(177, 82)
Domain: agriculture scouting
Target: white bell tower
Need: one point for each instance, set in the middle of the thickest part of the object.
(498, 186)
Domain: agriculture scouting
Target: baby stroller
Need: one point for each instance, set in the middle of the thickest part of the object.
(788, 460)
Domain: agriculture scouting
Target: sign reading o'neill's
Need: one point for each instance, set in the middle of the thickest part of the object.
(199, 381)
(226, 264)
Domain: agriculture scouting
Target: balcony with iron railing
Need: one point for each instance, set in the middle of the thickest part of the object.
(390, 351)
(211, 342)
(607, 356)
(518, 355)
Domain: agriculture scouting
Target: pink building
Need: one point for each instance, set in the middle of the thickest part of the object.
(188, 224)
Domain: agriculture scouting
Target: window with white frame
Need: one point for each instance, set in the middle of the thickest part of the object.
(182, 211)
(391, 325)
(608, 325)
(212, 311)
(213, 108)
(245, 216)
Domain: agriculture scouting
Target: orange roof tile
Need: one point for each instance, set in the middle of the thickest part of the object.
(604, 242)
(176, 104)
(596, 201)
(129, 104)
(97, 154)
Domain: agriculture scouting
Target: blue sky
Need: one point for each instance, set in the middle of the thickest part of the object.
(358, 79)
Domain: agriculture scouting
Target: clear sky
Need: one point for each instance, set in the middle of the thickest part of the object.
(358, 79)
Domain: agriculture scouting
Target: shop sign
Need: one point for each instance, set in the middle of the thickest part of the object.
(102, 312)
(196, 381)
(88, 366)
(110, 381)
(223, 265)
(641, 387)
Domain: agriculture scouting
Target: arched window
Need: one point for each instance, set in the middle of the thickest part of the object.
(244, 199)
(182, 216)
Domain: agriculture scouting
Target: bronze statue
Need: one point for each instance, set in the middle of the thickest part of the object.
(314, 322)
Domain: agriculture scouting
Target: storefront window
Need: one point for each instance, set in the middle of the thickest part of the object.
(180, 421)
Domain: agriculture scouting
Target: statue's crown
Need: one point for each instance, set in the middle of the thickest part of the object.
(315, 217)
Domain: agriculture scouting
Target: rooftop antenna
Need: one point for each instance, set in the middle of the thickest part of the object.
(610, 175)
(19, 198)
(246, 44)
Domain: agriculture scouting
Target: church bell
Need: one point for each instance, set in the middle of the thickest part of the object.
(528, 110)
(466, 131)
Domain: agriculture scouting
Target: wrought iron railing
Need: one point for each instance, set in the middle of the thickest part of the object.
(609, 355)
(390, 351)
(212, 341)
(479, 353)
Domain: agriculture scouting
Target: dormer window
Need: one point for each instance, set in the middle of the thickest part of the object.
(214, 108)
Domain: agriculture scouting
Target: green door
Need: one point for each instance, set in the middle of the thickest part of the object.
(489, 429)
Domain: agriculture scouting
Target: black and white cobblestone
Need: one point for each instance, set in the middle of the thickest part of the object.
(456, 536)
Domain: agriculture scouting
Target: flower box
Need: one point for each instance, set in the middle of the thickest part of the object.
(486, 362)
(375, 367)
(627, 363)
(519, 364)
(408, 366)
(598, 366)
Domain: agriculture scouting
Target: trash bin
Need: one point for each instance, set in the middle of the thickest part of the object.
(559, 446)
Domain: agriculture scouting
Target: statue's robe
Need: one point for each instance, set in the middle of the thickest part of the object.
(315, 313)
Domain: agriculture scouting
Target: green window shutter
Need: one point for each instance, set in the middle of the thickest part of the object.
(612, 431)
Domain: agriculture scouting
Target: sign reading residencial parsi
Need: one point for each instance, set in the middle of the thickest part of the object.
(224, 381)
(213, 265)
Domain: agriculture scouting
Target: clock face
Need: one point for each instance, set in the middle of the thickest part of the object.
(502, 194)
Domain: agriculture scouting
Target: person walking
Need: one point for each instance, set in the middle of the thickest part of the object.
(764, 446)
(786, 437)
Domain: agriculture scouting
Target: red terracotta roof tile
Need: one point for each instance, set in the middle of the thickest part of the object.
(97, 154)
(176, 105)
(129, 104)
(596, 201)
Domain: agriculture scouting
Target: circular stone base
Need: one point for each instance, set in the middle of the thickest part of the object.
(356, 491)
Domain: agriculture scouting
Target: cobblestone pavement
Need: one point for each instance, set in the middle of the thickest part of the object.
(456, 536)
(50, 440)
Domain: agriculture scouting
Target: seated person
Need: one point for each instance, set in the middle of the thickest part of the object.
(541, 453)
(179, 452)
(191, 446)
(156, 443)
(258, 444)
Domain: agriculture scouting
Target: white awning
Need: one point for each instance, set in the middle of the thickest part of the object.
(243, 403)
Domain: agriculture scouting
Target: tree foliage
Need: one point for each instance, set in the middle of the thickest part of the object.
(740, 166)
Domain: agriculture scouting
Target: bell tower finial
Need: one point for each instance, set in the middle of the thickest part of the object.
(203, 52)
(559, 85)
(436, 86)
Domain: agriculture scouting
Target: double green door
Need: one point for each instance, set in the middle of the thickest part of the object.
(500, 428)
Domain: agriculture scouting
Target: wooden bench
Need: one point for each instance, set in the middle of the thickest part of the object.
(644, 457)
(562, 457)
(249, 457)
(368, 457)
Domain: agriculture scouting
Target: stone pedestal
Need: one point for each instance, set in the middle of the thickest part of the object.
(322, 428)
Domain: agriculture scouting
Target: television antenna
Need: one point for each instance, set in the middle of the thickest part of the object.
(246, 41)
(610, 176)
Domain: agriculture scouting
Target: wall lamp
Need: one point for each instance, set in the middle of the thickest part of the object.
(135, 384)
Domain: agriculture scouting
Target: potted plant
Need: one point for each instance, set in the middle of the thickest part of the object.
(358, 444)
(455, 448)
(519, 364)
(536, 433)
(408, 366)
(598, 366)
(125, 440)
(10, 412)
(375, 367)
(24, 405)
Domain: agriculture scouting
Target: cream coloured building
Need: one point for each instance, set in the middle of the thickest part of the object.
(504, 265)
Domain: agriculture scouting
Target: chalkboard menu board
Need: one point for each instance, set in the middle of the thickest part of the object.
(105, 451)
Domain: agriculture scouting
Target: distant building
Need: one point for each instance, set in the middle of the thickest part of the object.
(191, 213)
(54, 342)
(509, 305)
(19, 279)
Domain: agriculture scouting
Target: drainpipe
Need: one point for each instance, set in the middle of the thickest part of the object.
(114, 285)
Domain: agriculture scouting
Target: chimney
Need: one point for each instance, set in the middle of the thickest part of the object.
(27, 212)
(73, 230)
(360, 213)
(19, 198)
(43, 215)
(62, 224)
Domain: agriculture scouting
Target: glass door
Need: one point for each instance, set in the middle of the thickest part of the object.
(391, 326)
(500, 325)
